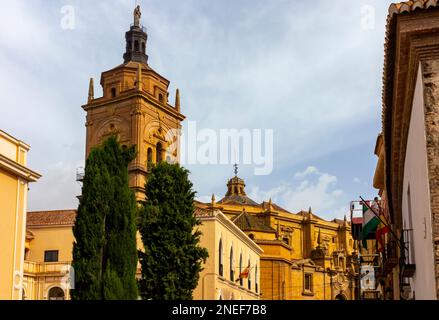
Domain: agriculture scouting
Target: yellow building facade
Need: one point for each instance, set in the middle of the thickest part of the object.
(231, 252)
(48, 255)
(14, 179)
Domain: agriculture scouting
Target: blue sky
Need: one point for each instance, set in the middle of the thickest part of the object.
(311, 71)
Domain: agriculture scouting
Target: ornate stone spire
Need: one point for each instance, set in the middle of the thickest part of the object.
(270, 205)
(136, 39)
(91, 91)
(177, 100)
(319, 238)
(213, 199)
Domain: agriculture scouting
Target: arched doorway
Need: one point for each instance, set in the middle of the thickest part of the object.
(56, 293)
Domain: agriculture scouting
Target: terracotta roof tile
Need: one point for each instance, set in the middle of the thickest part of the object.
(45, 218)
(247, 222)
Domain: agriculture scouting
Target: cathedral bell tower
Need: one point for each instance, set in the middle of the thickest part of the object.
(134, 107)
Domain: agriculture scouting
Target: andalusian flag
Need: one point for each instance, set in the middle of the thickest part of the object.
(370, 223)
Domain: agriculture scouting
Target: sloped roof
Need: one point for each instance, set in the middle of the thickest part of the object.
(238, 199)
(247, 222)
(410, 6)
(46, 218)
(265, 205)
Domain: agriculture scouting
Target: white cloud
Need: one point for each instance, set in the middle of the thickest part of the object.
(306, 172)
(319, 191)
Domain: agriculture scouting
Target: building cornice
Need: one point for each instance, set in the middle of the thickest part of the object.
(130, 94)
(227, 223)
(18, 169)
(410, 38)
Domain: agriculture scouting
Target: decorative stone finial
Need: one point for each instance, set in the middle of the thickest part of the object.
(177, 100)
(213, 199)
(236, 169)
(91, 91)
(319, 238)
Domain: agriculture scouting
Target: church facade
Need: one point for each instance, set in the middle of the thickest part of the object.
(304, 256)
(291, 255)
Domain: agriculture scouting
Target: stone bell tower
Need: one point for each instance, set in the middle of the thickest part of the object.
(135, 108)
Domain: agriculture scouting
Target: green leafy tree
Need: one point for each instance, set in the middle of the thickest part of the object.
(172, 259)
(105, 250)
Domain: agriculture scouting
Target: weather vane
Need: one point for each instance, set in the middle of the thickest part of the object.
(236, 169)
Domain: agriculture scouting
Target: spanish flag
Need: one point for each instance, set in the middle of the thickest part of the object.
(243, 274)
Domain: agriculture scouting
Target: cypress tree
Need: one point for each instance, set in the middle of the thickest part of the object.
(172, 259)
(105, 250)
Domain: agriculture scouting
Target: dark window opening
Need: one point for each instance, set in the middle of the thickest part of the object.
(136, 45)
(129, 46)
(159, 150)
(232, 275)
(51, 256)
(149, 159)
(220, 254)
(56, 293)
(113, 92)
(160, 97)
(286, 240)
(143, 47)
(256, 279)
(308, 282)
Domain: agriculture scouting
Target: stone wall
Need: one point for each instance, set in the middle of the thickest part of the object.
(431, 97)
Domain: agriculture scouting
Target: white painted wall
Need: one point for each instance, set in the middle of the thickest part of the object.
(416, 180)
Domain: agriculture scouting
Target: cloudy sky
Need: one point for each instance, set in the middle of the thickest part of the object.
(311, 71)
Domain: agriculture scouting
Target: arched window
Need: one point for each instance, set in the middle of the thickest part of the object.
(241, 282)
(113, 92)
(249, 275)
(56, 293)
(160, 97)
(220, 258)
(143, 47)
(136, 45)
(232, 275)
(129, 46)
(158, 154)
(256, 279)
(149, 159)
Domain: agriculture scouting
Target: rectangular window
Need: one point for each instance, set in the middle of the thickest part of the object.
(308, 282)
(51, 256)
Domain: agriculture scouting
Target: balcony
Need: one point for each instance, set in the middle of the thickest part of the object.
(80, 173)
(45, 268)
(390, 260)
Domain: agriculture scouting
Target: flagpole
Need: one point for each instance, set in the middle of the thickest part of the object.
(385, 224)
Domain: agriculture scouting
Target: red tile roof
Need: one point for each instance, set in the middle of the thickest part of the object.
(46, 218)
